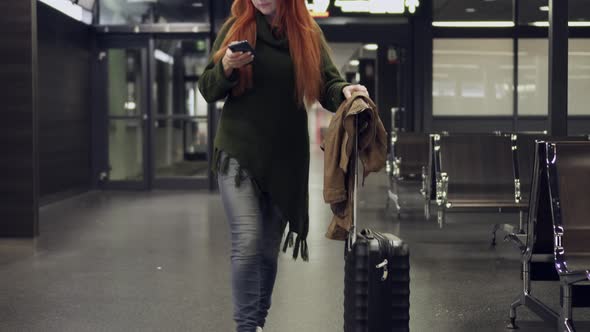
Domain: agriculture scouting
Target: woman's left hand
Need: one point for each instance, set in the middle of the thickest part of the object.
(350, 89)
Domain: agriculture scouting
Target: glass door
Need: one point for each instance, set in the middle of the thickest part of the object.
(154, 128)
(124, 114)
(180, 133)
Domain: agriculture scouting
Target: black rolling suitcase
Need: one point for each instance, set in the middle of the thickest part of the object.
(377, 279)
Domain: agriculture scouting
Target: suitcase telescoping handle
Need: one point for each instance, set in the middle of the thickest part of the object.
(352, 233)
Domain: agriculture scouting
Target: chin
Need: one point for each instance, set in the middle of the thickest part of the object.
(265, 10)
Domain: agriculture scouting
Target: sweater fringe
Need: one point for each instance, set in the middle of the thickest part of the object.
(300, 243)
(300, 246)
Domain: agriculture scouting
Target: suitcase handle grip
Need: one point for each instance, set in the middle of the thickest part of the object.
(383, 266)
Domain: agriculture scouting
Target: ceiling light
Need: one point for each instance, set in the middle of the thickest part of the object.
(579, 24)
(69, 8)
(544, 8)
(197, 4)
(163, 56)
(371, 47)
(540, 24)
(545, 24)
(470, 10)
(354, 63)
(474, 24)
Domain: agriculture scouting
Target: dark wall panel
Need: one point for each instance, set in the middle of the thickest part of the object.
(471, 125)
(18, 178)
(577, 125)
(533, 124)
(64, 103)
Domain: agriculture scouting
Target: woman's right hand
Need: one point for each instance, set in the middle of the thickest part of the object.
(235, 60)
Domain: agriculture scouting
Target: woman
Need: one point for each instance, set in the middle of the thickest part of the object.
(262, 143)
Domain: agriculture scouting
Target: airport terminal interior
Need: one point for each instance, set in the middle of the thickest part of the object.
(110, 213)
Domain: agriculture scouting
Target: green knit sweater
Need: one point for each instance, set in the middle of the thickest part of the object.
(266, 130)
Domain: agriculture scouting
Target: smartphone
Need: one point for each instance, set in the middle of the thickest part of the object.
(241, 46)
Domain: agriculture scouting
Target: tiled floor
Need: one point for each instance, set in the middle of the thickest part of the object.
(158, 261)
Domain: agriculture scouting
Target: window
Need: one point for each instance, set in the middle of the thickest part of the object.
(472, 77)
(533, 77)
(579, 77)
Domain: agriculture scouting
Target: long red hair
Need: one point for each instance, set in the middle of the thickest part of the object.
(292, 20)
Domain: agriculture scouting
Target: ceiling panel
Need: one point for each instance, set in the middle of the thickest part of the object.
(134, 11)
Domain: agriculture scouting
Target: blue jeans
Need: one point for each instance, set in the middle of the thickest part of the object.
(256, 233)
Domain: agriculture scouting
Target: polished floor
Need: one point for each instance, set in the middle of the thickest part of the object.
(158, 261)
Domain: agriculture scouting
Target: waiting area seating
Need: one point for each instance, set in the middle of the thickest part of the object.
(558, 229)
(471, 171)
(523, 147)
(409, 155)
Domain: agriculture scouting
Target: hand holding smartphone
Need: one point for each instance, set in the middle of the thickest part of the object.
(241, 46)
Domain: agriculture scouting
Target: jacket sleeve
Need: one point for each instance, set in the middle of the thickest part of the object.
(213, 83)
(332, 95)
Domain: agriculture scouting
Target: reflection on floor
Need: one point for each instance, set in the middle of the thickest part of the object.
(184, 168)
(158, 261)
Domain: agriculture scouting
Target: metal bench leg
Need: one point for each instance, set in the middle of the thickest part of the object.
(520, 300)
(565, 318)
(396, 200)
(517, 303)
(441, 216)
(494, 231)
(521, 222)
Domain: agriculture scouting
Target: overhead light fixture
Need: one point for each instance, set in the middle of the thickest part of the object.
(373, 7)
(371, 47)
(473, 24)
(540, 24)
(470, 10)
(71, 9)
(163, 56)
(545, 24)
(354, 63)
(197, 4)
(544, 8)
(579, 24)
(412, 5)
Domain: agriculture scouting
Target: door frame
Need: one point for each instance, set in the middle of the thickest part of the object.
(146, 42)
(102, 116)
(181, 183)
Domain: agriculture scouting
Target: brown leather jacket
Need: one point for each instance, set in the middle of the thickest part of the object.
(338, 158)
